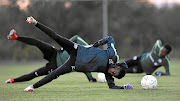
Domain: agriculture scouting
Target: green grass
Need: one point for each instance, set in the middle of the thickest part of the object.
(75, 87)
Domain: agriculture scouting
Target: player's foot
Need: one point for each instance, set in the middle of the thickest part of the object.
(93, 80)
(11, 80)
(29, 89)
(128, 86)
(12, 35)
(31, 20)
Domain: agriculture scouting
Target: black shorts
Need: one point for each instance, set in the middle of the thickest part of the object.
(135, 64)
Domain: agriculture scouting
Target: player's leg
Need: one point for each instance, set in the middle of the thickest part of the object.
(46, 48)
(63, 69)
(132, 64)
(131, 70)
(139, 68)
(66, 68)
(48, 51)
(64, 42)
(48, 68)
(36, 73)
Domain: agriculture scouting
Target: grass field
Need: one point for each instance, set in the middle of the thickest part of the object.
(75, 87)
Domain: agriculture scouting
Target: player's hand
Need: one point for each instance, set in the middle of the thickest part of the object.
(128, 86)
(158, 73)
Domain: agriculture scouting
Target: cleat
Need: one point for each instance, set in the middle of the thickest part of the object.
(31, 20)
(11, 80)
(29, 89)
(12, 35)
(128, 86)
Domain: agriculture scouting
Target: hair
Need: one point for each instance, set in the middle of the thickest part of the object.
(168, 47)
(122, 72)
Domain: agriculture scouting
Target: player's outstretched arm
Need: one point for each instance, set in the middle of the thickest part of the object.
(166, 67)
(103, 41)
(111, 84)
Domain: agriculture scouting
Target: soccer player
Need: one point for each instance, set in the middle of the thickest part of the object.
(149, 62)
(61, 58)
(81, 58)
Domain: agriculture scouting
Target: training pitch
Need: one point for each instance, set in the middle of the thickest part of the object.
(75, 87)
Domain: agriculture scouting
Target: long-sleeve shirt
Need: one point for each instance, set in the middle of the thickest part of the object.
(152, 61)
(62, 55)
(92, 59)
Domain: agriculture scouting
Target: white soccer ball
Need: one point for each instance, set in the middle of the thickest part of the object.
(101, 77)
(148, 82)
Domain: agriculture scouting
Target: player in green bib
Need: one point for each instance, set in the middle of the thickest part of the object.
(61, 57)
(149, 62)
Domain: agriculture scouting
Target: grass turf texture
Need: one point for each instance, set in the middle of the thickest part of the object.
(75, 87)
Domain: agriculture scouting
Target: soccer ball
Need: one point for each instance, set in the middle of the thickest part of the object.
(101, 77)
(148, 82)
